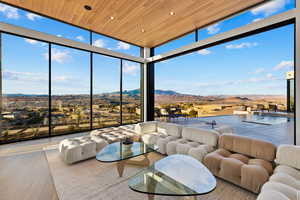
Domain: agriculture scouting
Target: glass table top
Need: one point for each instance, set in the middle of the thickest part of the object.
(117, 151)
(175, 175)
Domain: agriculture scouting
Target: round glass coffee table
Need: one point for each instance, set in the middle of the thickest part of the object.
(122, 154)
(175, 175)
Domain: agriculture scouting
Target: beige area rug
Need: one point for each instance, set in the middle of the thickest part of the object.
(93, 180)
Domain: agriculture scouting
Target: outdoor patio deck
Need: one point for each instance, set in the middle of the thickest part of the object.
(282, 133)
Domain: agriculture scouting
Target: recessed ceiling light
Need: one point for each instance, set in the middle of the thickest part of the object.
(112, 17)
(87, 7)
(172, 13)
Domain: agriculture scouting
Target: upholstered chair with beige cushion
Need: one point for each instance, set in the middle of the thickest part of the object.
(195, 142)
(285, 182)
(243, 161)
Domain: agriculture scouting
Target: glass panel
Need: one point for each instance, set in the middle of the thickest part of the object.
(19, 17)
(115, 45)
(229, 82)
(70, 90)
(25, 83)
(264, 11)
(174, 44)
(106, 91)
(118, 151)
(189, 177)
(131, 105)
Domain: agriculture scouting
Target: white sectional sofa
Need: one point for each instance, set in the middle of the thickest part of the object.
(175, 139)
(158, 133)
(195, 142)
(284, 184)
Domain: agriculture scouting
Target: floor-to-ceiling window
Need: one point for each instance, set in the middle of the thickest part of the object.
(131, 92)
(70, 90)
(24, 113)
(106, 91)
(234, 83)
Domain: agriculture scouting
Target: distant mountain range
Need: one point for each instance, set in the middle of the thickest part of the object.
(171, 93)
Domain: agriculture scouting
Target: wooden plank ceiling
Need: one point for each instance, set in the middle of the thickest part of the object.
(146, 23)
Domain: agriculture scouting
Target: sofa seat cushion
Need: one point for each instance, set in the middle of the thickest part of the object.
(272, 194)
(281, 188)
(203, 136)
(288, 155)
(288, 170)
(146, 127)
(171, 146)
(151, 138)
(240, 157)
(162, 143)
(169, 129)
(262, 163)
(239, 169)
(248, 146)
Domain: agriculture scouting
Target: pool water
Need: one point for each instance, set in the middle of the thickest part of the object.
(265, 120)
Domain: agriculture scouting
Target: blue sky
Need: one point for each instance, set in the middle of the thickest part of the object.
(253, 65)
(25, 61)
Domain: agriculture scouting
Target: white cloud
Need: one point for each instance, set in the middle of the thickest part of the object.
(58, 55)
(256, 19)
(213, 29)
(123, 45)
(99, 43)
(283, 65)
(270, 7)
(9, 12)
(80, 37)
(257, 71)
(32, 16)
(31, 41)
(269, 76)
(61, 79)
(241, 45)
(24, 76)
(35, 42)
(59, 35)
(204, 52)
(130, 68)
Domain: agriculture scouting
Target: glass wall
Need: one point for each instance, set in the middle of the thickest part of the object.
(70, 90)
(131, 93)
(258, 13)
(106, 91)
(19, 17)
(115, 45)
(242, 80)
(25, 81)
(179, 42)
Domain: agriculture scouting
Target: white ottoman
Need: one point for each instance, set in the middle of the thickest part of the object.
(81, 148)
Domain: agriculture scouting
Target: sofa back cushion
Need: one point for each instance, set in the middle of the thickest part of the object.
(288, 155)
(205, 136)
(146, 127)
(248, 146)
(169, 129)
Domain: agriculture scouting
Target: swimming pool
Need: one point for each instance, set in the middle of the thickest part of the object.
(265, 119)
